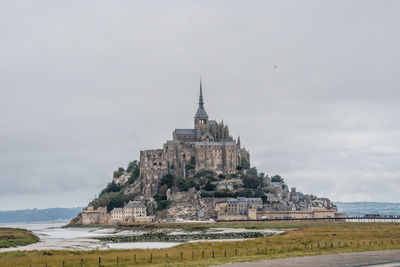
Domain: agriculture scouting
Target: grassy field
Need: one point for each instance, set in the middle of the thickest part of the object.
(12, 237)
(305, 238)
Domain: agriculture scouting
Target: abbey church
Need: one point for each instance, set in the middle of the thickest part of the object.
(207, 146)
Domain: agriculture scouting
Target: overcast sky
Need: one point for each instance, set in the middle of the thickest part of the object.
(311, 87)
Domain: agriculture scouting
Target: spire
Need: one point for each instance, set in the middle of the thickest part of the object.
(201, 103)
(201, 112)
(238, 141)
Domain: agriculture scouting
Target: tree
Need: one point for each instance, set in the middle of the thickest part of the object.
(167, 179)
(192, 163)
(118, 172)
(134, 170)
(163, 190)
(132, 166)
(111, 187)
(245, 164)
(224, 193)
(253, 171)
(277, 179)
(251, 181)
(209, 186)
(270, 189)
(162, 202)
(182, 184)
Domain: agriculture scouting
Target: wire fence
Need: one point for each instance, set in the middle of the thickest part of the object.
(171, 256)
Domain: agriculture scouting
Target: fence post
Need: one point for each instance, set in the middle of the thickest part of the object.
(247, 251)
(134, 258)
(235, 251)
(202, 254)
(151, 257)
(99, 261)
(166, 257)
(225, 253)
(181, 256)
(63, 264)
(117, 260)
(192, 255)
(213, 255)
(81, 262)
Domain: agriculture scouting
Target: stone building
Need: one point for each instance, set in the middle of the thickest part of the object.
(94, 216)
(241, 205)
(134, 211)
(208, 146)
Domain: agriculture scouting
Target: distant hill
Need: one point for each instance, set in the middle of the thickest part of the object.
(362, 208)
(38, 215)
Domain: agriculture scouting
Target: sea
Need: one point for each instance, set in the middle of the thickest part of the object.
(363, 208)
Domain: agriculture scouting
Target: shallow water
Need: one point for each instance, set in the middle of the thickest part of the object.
(53, 236)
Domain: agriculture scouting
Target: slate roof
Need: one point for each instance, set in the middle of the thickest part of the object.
(201, 112)
(185, 131)
(116, 210)
(134, 204)
(212, 122)
(215, 144)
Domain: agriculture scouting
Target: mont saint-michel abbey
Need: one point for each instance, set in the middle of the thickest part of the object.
(207, 146)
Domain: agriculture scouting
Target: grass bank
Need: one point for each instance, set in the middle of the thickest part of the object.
(12, 237)
(306, 238)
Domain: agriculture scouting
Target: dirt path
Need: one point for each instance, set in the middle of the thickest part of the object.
(377, 258)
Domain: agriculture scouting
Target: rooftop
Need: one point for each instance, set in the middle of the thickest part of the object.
(185, 131)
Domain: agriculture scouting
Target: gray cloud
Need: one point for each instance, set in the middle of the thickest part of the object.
(310, 86)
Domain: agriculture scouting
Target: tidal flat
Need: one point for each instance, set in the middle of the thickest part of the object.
(299, 239)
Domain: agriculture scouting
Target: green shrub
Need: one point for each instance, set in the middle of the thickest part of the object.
(209, 186)
(118, 172)
(168, 180)
(277, 179)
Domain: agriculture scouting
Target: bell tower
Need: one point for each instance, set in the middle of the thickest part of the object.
(201, 117)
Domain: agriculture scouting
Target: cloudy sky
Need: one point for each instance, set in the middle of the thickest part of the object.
(312, 88)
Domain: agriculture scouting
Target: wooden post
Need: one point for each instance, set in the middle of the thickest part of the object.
(213, 255)
(117, 260)
(81, 262)
(225, 253)
(181, 256)
(192, 255)
(63, 264)
(134, 258)
(235, 251)
(99, 261)
(247, 251)
(151, 258)
(166, 257)
(202, 254)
